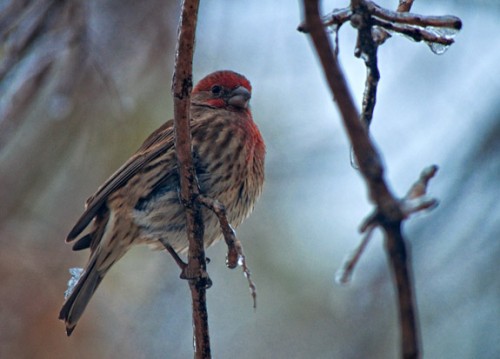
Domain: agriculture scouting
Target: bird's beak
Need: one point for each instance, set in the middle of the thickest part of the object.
(239, 97)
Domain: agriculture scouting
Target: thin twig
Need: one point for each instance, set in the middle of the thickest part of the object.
(447, 21)
(336, 18)
(235, 255)
(344, 274)
(431, 29)
(366, 49)
(380, 34)
(181, 88)
(371, 168)
(404, 5)
(419, 188)
(415, 33)
(414, 201)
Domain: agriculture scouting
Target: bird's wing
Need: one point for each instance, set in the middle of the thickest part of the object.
(160, 134)
(157, 143)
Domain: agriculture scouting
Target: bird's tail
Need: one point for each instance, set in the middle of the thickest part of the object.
(107, 245)
(78, 299)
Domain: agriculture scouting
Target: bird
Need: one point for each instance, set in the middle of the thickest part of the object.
(139, 203)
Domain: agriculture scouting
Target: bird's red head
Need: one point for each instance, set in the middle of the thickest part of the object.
(226, 78)
(223, 89)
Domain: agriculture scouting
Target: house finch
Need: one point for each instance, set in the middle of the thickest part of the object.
(140, 203)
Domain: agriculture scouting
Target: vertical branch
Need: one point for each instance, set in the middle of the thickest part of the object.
(398, 257)
(369, 159)
(389, 212)
(182, 84)
(366, 49)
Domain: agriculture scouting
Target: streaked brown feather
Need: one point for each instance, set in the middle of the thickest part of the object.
(157, 143)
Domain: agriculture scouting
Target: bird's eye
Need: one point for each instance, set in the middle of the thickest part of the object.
(216, 89)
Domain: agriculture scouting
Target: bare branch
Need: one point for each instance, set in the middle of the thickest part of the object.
(336, 18)
(389, 213)
(447, 21)
(404, 5)
(233, 257)
(368, 157)
(416, 34)
(344, 274)
(419, 188)
(414, 201)
(397, 255)
(182, 84)
(366, 48)
(438, 30)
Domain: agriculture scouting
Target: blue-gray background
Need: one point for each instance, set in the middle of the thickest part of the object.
(431, 109)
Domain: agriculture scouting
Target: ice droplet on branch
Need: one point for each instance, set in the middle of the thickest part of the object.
(334, 31)
(433, 36)
(448, 33)
(76, 274)
(436, 48)
(241, 260)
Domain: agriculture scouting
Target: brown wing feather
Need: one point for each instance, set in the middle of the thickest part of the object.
(162, 132)
(158, 142)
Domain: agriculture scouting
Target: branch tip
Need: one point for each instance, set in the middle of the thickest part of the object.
(235, 256)
(345, 272)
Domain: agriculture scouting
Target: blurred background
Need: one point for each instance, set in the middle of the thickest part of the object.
(84, 82)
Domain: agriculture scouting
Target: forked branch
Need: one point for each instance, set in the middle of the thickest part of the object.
(414, 201)
(434, 30)
(390, 211)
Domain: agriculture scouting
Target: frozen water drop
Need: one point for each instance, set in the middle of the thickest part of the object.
(437, 48)
(442, 32)
(433, 36)
(364, 56)
(334, 31)
(380, 34)
(76, 274)
(392, 32)
(232, 229)
(354, 160)
(449, 32)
